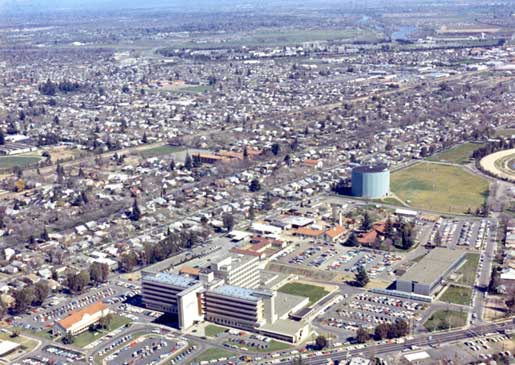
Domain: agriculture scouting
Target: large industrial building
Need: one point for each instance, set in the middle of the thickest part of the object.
(371, 181)
(428, 274)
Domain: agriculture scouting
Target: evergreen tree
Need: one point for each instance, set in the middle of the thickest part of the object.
(367, 222)
(254, 185)
(188, 163)
(135, 212)
(276, 148)
(361, 277)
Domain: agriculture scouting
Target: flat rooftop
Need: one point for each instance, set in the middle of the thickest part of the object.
(431, 267)
(285, 302)
(284, 327)
(181, 281)
(238, 292)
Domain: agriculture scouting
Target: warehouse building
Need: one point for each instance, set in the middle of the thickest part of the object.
(428, 274)
(371, 181)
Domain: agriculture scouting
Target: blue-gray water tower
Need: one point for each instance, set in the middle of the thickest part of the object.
(371, 181)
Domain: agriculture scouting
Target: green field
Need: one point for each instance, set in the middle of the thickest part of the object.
(313, 292)
(445, 319)
(88, 337)
(460, 154)
(505, 132)
(273, 37)
(212, 354)
(192, 89)
(8, 162)
(212, 331)
(160, 151)
(441, 188)
(27, 343)
(457, 295)
(468, 269)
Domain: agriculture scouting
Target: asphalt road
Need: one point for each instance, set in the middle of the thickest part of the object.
(419, 341)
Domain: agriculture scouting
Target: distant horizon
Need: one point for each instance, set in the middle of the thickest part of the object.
(60, 5)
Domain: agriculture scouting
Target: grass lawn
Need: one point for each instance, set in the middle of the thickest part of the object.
(460, 154)
(445, 319)
(212, 331)
(457, 295)
(508, 132)
(468, 269)
(47, 335)
(390, 200)
(27, 343)
(192, 89)
(313, 292)
(8, 162)
(161, 150)
(212, 354)
(273, 37)
(440, 188)
(88, 337)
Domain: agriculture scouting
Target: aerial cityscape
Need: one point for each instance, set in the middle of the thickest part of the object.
(264, 182)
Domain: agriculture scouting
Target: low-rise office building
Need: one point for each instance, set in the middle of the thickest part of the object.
(79, 321)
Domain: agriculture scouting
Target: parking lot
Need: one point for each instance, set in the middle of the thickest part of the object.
(471, 234)
(54, 355)
(335, 257)
(368, 310)
(144, 350)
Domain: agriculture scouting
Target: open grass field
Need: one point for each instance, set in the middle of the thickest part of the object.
(460, 154)
(442, 188)
(212, 354)
(273, 37)
(468, 269)
(445, 319)
(160, 151)
(88, 337)
(508, 132)
(457, 295)
(212, 331)
(192, 89)
(313, 292)
(8, 162)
